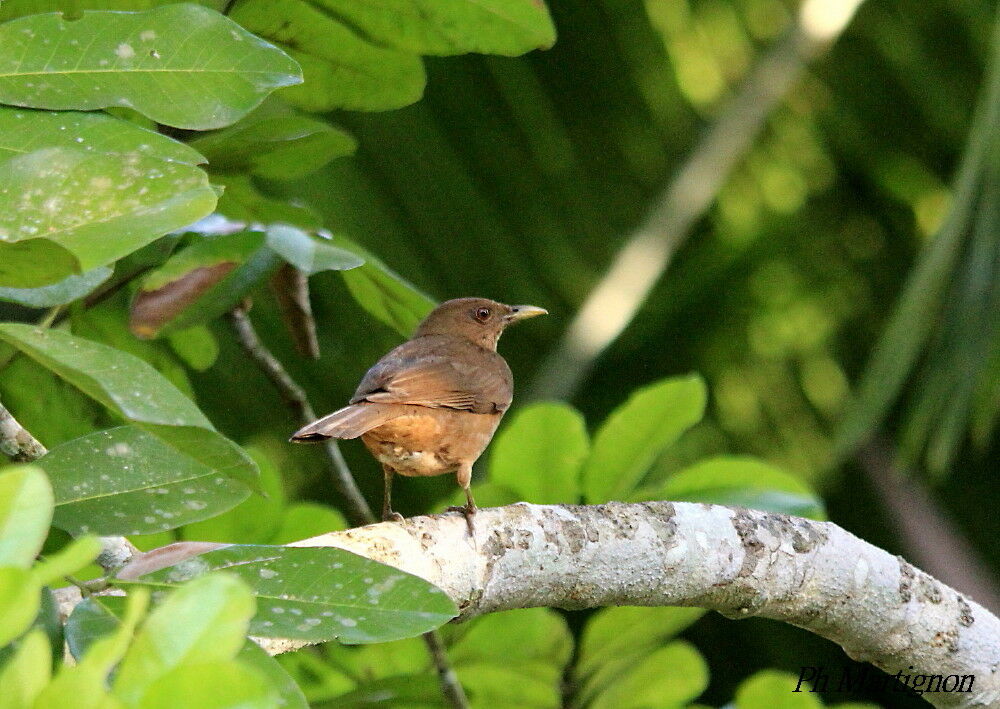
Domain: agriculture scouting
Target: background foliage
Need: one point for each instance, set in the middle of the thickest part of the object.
(842, 286)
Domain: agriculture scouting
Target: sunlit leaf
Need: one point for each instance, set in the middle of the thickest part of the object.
(538, 635)
(210, 685)
(509, 27)
(25, 514)
(637, 432)
(341, 69)
(153, 61)
(203, 622)
(669, 677)
(243, 202)
(771, 688)
(746, 482)
(68, 560)
(302, 520)
(196, 345)
(20, 598)
(129, 481)
(275, 147)
(79, 210)
(289, 696)
(319, 594)
(26, 672)
(539, 454)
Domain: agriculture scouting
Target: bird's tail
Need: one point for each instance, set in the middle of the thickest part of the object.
(348, 422)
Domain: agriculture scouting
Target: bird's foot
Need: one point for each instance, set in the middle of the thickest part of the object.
(469, 513)
(390, 516)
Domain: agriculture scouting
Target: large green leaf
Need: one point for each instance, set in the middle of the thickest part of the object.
(275, 147)
(92, 619)
(200, 282)
(289, 694)
(637, 432)
(341, 69)
(539, 454)
(129, 481)
(65, 291)
(508, 27)
(27, 671)
(318, 594)
(125, 384)
(309, 253)
(210, 685)
(183, 65)
(243, 202)
(771, 688)
(25, 514)
(20, 598)
(205, 621)
(24, 131)
(669, 677)
(731, 480)
(386, 295)
(66, 210)
(526, 635)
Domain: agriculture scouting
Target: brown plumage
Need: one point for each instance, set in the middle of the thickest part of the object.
(431, 405)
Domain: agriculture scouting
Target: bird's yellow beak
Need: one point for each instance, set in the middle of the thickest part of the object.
(523, 312)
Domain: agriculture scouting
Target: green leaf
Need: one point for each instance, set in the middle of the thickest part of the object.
(616, 637)
(383, 293)
(93, 618)
(125, 384)
(275, 147)
(68, 560)
(635, 433)
(20, 599)
(731, 480)
(774, 690)
(303, 520)
(65, 291)
(33, 263)
(196, 345)
(129, 481)
(404, 691)
(200, 282)
(25, 514)
(24, 131)
(341, 69)
(507, 27)
(669, 677)
(534, 635)
(27, 672)
(203, 622)
(154, 61)
(210, 685)
(83, 209)
(311, 254)
(510, 684)
(539, 454)
(318, 594)
(243, 202)
(289, 694)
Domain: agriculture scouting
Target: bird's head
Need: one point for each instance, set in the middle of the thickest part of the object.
(477, 319)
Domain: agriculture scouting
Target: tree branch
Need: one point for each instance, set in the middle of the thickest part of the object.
(15, 441)
(739, 562)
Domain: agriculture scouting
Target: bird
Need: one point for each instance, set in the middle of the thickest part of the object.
(431, 405)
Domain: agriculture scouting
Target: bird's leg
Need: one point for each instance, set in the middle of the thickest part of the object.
(465, 480)
(387, 514)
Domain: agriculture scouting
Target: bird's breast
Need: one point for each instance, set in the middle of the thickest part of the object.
(426, 441)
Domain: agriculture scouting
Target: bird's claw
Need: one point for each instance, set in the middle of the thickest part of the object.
(469, 514)
(392, 517)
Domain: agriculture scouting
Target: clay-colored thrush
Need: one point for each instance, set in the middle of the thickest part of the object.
(431, 405)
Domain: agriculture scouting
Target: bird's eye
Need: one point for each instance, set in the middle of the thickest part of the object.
(482, 314)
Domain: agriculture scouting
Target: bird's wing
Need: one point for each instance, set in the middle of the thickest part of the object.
(439, 377)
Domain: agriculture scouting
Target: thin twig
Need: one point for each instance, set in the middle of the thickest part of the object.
(295, 397)
(646, 253)
(16, 442)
